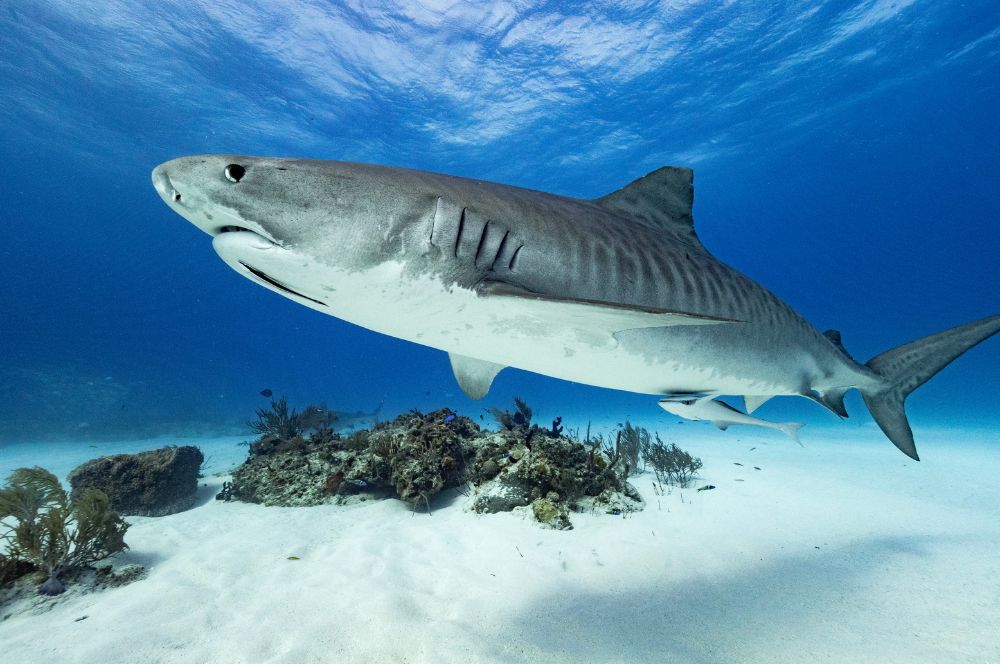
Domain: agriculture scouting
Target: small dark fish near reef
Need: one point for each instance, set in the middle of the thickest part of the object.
(707, 487)
(267, 393)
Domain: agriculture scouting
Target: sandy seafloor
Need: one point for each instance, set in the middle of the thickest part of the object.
(841, 551)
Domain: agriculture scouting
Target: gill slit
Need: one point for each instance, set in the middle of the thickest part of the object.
(513, 259)
(482, 241)
(503, 243)
(458, 235)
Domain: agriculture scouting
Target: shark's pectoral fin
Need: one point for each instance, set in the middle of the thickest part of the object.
(591, 316)
(754, 401)
(474, 376)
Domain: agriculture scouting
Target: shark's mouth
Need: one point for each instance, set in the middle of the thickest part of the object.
(263, 276)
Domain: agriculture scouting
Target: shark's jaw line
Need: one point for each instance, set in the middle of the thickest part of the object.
(614, 292)
(258, 259)
(277, 284)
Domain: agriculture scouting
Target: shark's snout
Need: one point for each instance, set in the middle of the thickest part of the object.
(195, 188)
(164, 187)
(172, 193)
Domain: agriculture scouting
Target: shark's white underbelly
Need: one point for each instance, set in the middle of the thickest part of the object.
(461, 321)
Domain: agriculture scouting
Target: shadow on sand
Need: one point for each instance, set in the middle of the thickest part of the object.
(765, 612)
(207, 490)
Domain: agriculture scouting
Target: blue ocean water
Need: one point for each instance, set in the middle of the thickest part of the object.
(845, 156)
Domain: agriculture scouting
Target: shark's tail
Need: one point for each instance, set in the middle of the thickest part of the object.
(791, 429)
(909, 366)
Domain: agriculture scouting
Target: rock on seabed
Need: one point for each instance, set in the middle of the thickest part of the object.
(154, 483)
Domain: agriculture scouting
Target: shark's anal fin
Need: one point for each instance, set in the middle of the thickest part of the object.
(754, 401)
(593, 316)
(474, 376)
(832, 399)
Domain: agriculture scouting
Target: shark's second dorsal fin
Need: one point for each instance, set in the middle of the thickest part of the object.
(834, 337)
(663, 198)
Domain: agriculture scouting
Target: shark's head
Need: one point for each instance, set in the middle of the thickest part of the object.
(295, 226)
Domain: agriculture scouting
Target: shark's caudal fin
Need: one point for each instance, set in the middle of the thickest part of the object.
(909, 366)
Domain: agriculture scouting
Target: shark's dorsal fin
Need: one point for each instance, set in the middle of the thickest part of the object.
(474, 376)
(835, 338)
(663, 198)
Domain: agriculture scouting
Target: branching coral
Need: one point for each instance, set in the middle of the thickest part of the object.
(671, 464)
(54, 533)
(631, 441)
(520, 418)
(277, 421)
(316, 418)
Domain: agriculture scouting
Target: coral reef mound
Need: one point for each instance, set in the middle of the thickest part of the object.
(418, 455)
(412, 458)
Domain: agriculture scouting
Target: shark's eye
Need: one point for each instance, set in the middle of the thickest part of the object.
(235, 172)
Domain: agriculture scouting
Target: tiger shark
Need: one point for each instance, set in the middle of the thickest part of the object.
(616, 292)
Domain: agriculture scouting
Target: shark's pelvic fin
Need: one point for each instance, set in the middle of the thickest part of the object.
(474, 376)
(754, 401)
(663, 198)
(907, 367)
(592, 316)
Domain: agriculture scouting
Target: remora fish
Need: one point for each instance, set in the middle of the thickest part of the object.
(723, 415)
(616, 292)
